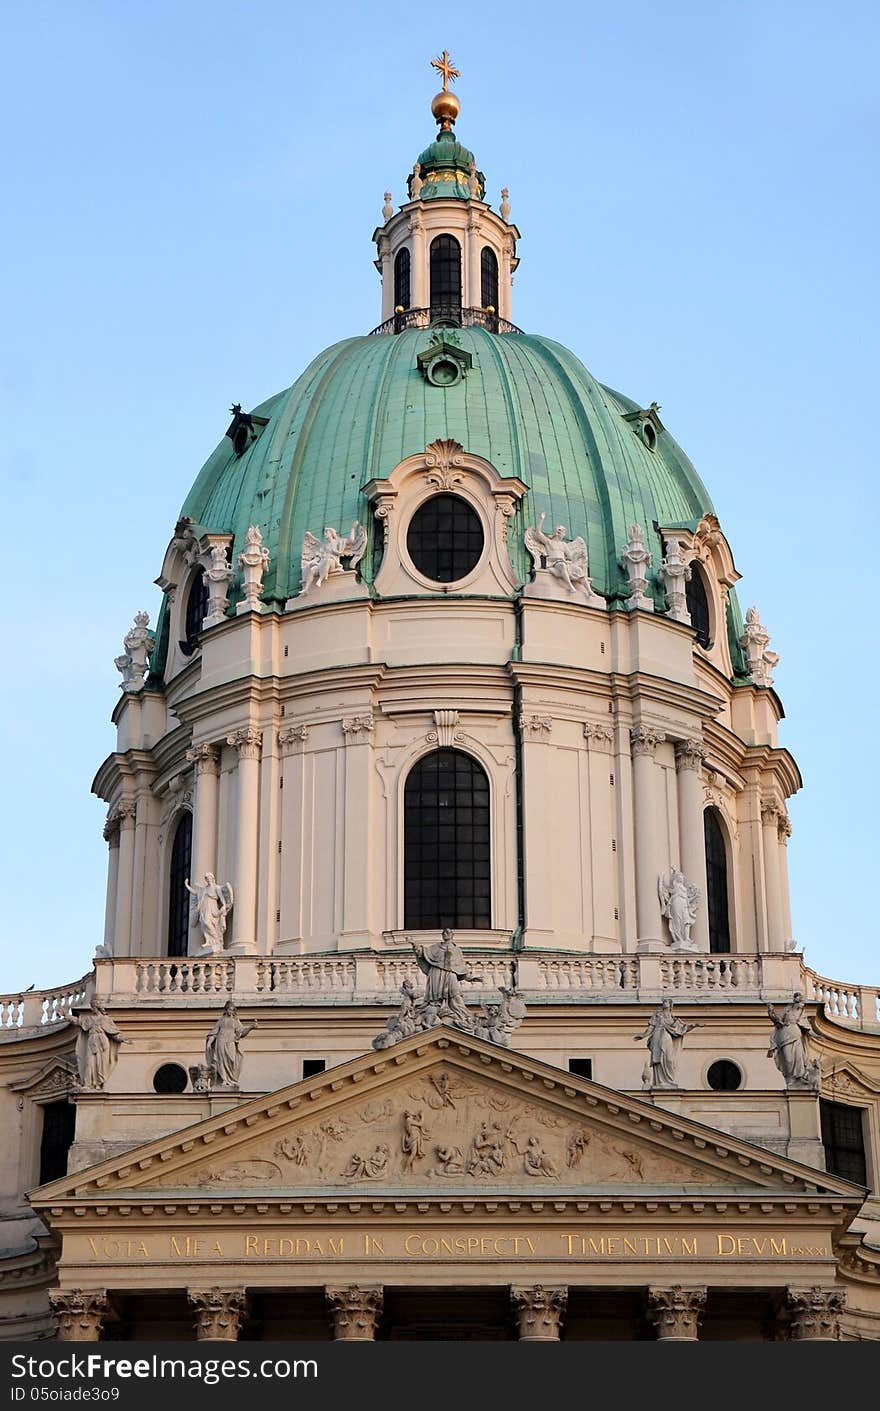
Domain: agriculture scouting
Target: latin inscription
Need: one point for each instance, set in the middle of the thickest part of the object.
(578, 1245)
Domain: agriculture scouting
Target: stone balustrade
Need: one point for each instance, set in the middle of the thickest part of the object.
(33, 1010)
(371, 977)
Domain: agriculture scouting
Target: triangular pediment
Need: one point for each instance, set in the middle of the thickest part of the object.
(442, 1115)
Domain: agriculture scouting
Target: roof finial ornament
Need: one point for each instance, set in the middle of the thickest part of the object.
(445, 106)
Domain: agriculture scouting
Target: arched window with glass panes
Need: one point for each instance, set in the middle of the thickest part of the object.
(489, 279)
(402, 279)
(716, 884)
(697, 601)
(196, 611)
(178, 896)
(445, 279)
(446, 844)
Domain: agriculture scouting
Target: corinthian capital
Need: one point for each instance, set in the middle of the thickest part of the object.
(644, 739)
(218, 1313)
(247, 740)
(676, 1312)
(205, 758)
(293, 737)
(815, 1313)
(354, 1312)
(357, 727)
(80, 1313)
(689, 754)
(599, 736)
(539, 1312)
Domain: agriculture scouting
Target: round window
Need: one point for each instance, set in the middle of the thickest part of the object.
(443, 372)
(445, 539)
(170, 1078)
(724, 1076)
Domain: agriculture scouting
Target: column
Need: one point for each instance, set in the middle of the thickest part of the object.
(357, 731)
(539, 1312)
(676, 1312)
(649, 805)
(247, 742)
(111, 837)
(293, 740)
(125, 812)
(205, 760)
(689, 756)
(537, 835)
(354, 1312)
(770, 812)
(218, 1313)
(814, 1313)
(472, 271)
(80, 1314)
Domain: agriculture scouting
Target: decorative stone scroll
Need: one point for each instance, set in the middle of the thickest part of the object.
(539, 1312)
(676, 1312)
(253, 562)
(446, 732)
(354, 1312)
(135, 660)
(80, 1314)
(218, 1313)
(636, 560)
(815, 1313)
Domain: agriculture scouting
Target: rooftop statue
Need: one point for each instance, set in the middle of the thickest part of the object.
(664, 1035)
(755, 641)
(564, 560)
(253, 562)
(678, 903)
(210, 910)
(445, 968)
(223, 1056)
(789, 1045)
(135, 660)
(97, 1046)
(636, 560)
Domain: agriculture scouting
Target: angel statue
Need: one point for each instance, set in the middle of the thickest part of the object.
(211, 906)
(320, 559)
(565, 561)
(678, 903)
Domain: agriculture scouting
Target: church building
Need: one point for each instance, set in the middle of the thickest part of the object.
(447, 988)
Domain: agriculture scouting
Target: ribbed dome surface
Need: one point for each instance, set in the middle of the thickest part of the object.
(527, 405)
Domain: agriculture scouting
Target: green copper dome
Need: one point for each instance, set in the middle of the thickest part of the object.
(526, 404)
(444, 168)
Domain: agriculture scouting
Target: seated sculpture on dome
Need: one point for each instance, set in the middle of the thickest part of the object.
(321, 558)
(562, 560)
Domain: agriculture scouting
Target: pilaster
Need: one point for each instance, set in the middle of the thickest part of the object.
(689, 756)
(357, 732)
(649, 804)
(770, 817)
(293, 890)
(205, 759)
(247, 742)
(599, 737)
(126, 813)
(536, 729)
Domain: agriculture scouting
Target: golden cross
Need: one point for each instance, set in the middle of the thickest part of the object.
(444, 66)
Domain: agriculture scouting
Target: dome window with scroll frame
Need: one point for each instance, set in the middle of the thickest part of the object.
(647, 424)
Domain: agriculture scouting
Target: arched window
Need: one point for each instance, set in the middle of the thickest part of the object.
(489, 279)
(178, 896)
(446, 279)
(196, 611)
(698, 605)
(716, 884)
(447, 879)
(401, 279)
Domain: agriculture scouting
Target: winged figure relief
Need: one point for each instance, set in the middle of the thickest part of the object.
(321, 557)
(566, 560)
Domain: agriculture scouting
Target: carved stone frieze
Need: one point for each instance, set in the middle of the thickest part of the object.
(815, 1313)
(676, 1312)
(218, 1313)
(354, 1312)
(80, 1313)
(443, 1125)
(539, 1312)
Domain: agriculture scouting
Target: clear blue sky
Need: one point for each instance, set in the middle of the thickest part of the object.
(190, 190)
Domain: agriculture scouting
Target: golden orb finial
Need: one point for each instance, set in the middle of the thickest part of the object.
(445, 105)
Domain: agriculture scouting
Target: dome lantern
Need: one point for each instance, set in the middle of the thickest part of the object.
(446, 258)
